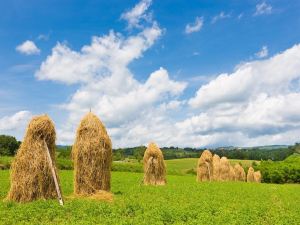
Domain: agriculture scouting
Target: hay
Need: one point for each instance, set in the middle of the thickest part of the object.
(240, 174)
(204, 166)
(31, 177)
(216, 168)
(231, 173)
(92, 156)
(224, 169)
(250, 175)
(257, 177)
(154, 166)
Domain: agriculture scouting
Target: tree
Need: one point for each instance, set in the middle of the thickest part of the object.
(8, 145)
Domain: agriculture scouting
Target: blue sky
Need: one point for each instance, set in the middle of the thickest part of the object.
(196, 73)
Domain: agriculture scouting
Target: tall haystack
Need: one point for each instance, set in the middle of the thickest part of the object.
(231, 173)
(31, 177)
(92, 156)
(224, 169)
(250, 175)
(204, 166)
(257, 177)
(216, 168)
(154, 166)
(240, 174)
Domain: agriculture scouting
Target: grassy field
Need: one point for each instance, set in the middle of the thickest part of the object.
(181, 201)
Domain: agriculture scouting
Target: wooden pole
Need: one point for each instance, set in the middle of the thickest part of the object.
(58, 191)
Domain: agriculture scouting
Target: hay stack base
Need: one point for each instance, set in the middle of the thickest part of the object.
(224, 169)
(216, 168)
(204, 166)
(154, 166)
(92, 156)
(31, 177)
(257, 177)
(240, 174)
(250, 175)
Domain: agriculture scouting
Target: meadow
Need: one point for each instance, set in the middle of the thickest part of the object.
(181, 201)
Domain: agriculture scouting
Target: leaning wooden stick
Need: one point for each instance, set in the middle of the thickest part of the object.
(60, 199)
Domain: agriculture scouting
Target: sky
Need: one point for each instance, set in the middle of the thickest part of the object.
(195, 73)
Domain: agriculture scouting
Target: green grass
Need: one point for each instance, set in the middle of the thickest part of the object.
(181, 201)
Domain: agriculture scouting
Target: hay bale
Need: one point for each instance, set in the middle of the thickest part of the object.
(224, 169)
(250, 175)
(231, 173)
(240, 174)
(216, 168)
(257, 177)
(92, 156)
(154, 166)
(204, 166)
(31, 177)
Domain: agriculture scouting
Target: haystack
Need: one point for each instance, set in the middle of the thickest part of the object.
(224, 169)
(216, 168)
(204, 166)
(92, 156)
(240, 174)
(31, 177)
(231, 173)
(257, 177)
(154, 166)
(250, 175)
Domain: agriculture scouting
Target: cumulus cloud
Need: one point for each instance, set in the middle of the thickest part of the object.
(108, 87)
(137, 13)
(15, 124)
(257, 103)
(263, 8)
(28, 48)
(220, 16)
(194, 27)
(263, 52)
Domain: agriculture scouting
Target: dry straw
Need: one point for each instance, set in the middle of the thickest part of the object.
(224, 169)
(231, 173)
(257, 177)
(240, 174)
(154, 166)
(31, 177)
(204, 166)
(250, 175)
(216, 168)
(92, 155)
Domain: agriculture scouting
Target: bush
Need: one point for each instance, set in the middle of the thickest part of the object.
(8, 145)
(287, 171)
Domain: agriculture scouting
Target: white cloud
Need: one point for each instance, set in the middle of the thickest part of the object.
(263, 8)
(28, 48)
(220, 16)
(263, 52)
(194, 27)
(137, 13)
(107, 86)
(15, 124)
(255, 105)
(272, 75)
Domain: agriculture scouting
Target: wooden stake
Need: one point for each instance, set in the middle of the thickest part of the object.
(58, 191)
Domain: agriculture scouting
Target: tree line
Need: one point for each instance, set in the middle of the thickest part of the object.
(9, 146)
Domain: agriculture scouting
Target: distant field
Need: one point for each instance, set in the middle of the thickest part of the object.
(181, 201)
(174, 166)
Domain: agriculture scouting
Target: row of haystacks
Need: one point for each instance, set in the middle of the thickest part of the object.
(213, 168)
(33, 173)
(31, 177)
